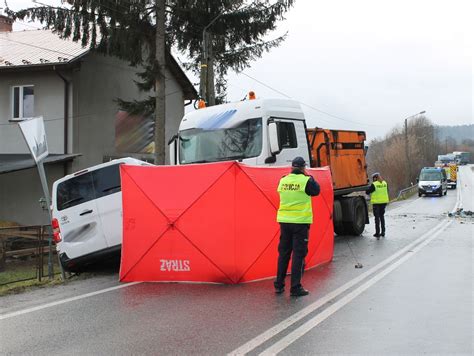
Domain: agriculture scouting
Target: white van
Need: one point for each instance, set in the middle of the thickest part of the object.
(87, 213)
(432, 180)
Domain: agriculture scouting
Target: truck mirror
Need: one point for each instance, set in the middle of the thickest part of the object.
(173, 150)
(273, 138)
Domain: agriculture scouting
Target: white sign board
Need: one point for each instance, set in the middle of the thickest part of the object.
(35, 137)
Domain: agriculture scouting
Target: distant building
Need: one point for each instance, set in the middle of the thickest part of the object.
(74, 90)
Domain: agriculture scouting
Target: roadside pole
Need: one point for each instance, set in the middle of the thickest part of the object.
(35, 136)
(44, 184)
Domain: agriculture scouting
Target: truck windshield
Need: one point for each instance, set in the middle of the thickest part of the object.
(239, 142)
(430, 176)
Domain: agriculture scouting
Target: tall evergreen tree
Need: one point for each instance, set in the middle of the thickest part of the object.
(127, 29)
(236, 36)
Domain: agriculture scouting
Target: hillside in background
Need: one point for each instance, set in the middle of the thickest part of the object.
(458, 133)
(423, 143)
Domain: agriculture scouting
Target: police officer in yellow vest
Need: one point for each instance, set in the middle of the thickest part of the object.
(379, 198)
(295, 216)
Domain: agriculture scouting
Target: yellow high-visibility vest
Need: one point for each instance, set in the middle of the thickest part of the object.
(295, 204)
(380, 194)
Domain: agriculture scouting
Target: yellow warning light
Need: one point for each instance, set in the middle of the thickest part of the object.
(201, 104)
(252, 95)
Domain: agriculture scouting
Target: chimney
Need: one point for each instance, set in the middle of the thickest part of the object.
(6, 24)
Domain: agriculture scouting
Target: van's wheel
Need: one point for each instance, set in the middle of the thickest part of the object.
(355, 218)
(419, 194)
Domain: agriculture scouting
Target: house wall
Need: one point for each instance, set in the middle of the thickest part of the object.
(49, 103)
(97, 84)
(20, 192)
(92, 109)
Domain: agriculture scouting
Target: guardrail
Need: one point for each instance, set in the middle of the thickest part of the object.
(406, 192)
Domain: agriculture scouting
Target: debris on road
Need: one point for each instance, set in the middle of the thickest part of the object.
(462, 213)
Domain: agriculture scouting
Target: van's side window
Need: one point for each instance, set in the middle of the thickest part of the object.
(75, 191)
(287, 135)
(106, 180)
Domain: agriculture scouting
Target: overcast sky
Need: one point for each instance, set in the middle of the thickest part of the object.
(372, 62)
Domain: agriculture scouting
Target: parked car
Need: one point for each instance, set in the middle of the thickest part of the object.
(432, 180)
(87, 214)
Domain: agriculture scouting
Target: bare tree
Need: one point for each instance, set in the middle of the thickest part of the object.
(387, 155)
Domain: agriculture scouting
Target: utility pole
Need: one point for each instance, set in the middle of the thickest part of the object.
(211, 91)
(206, 83)
(407, 153)
(204, 64)
(160, 88)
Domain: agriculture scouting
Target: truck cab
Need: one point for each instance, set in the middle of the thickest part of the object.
(255, 132)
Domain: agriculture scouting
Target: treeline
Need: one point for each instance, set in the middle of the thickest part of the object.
(457, 133)
(388, 155)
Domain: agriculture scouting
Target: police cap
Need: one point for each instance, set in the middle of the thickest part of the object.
(298, 162)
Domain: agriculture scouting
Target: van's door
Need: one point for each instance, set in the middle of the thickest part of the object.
(78, 217)
(109, 202)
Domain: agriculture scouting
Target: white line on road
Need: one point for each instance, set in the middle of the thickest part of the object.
(326, 313)
(59, 302)
(265, 336)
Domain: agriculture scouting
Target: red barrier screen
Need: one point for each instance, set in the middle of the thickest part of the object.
(211, 222)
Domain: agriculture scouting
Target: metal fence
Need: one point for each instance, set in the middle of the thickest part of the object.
(407, 192)
(26, 253)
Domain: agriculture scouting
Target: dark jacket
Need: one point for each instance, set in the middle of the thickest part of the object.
(312, 187)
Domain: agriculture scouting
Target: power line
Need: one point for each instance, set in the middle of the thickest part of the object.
(309, 106)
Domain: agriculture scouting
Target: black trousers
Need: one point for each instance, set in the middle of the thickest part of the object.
(293, 240)
(379, 212)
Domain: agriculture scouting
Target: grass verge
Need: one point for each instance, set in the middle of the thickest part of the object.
(20, 276)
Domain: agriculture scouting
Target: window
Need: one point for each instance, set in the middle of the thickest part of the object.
(75, 191)
(89, 186)
(23, 102)
(106, 180)
(287, 135)
(244, 140)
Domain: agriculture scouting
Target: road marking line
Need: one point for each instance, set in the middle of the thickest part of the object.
(67, 300)
(326, 313)
(266, 335)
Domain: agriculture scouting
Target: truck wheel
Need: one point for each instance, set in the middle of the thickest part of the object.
(337, 218)
(354, 210)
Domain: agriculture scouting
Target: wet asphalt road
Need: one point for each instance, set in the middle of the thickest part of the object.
(418, 301)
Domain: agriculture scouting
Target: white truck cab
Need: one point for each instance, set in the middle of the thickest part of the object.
(255, 132)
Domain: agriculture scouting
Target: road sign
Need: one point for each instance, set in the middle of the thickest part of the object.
(35, 137)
